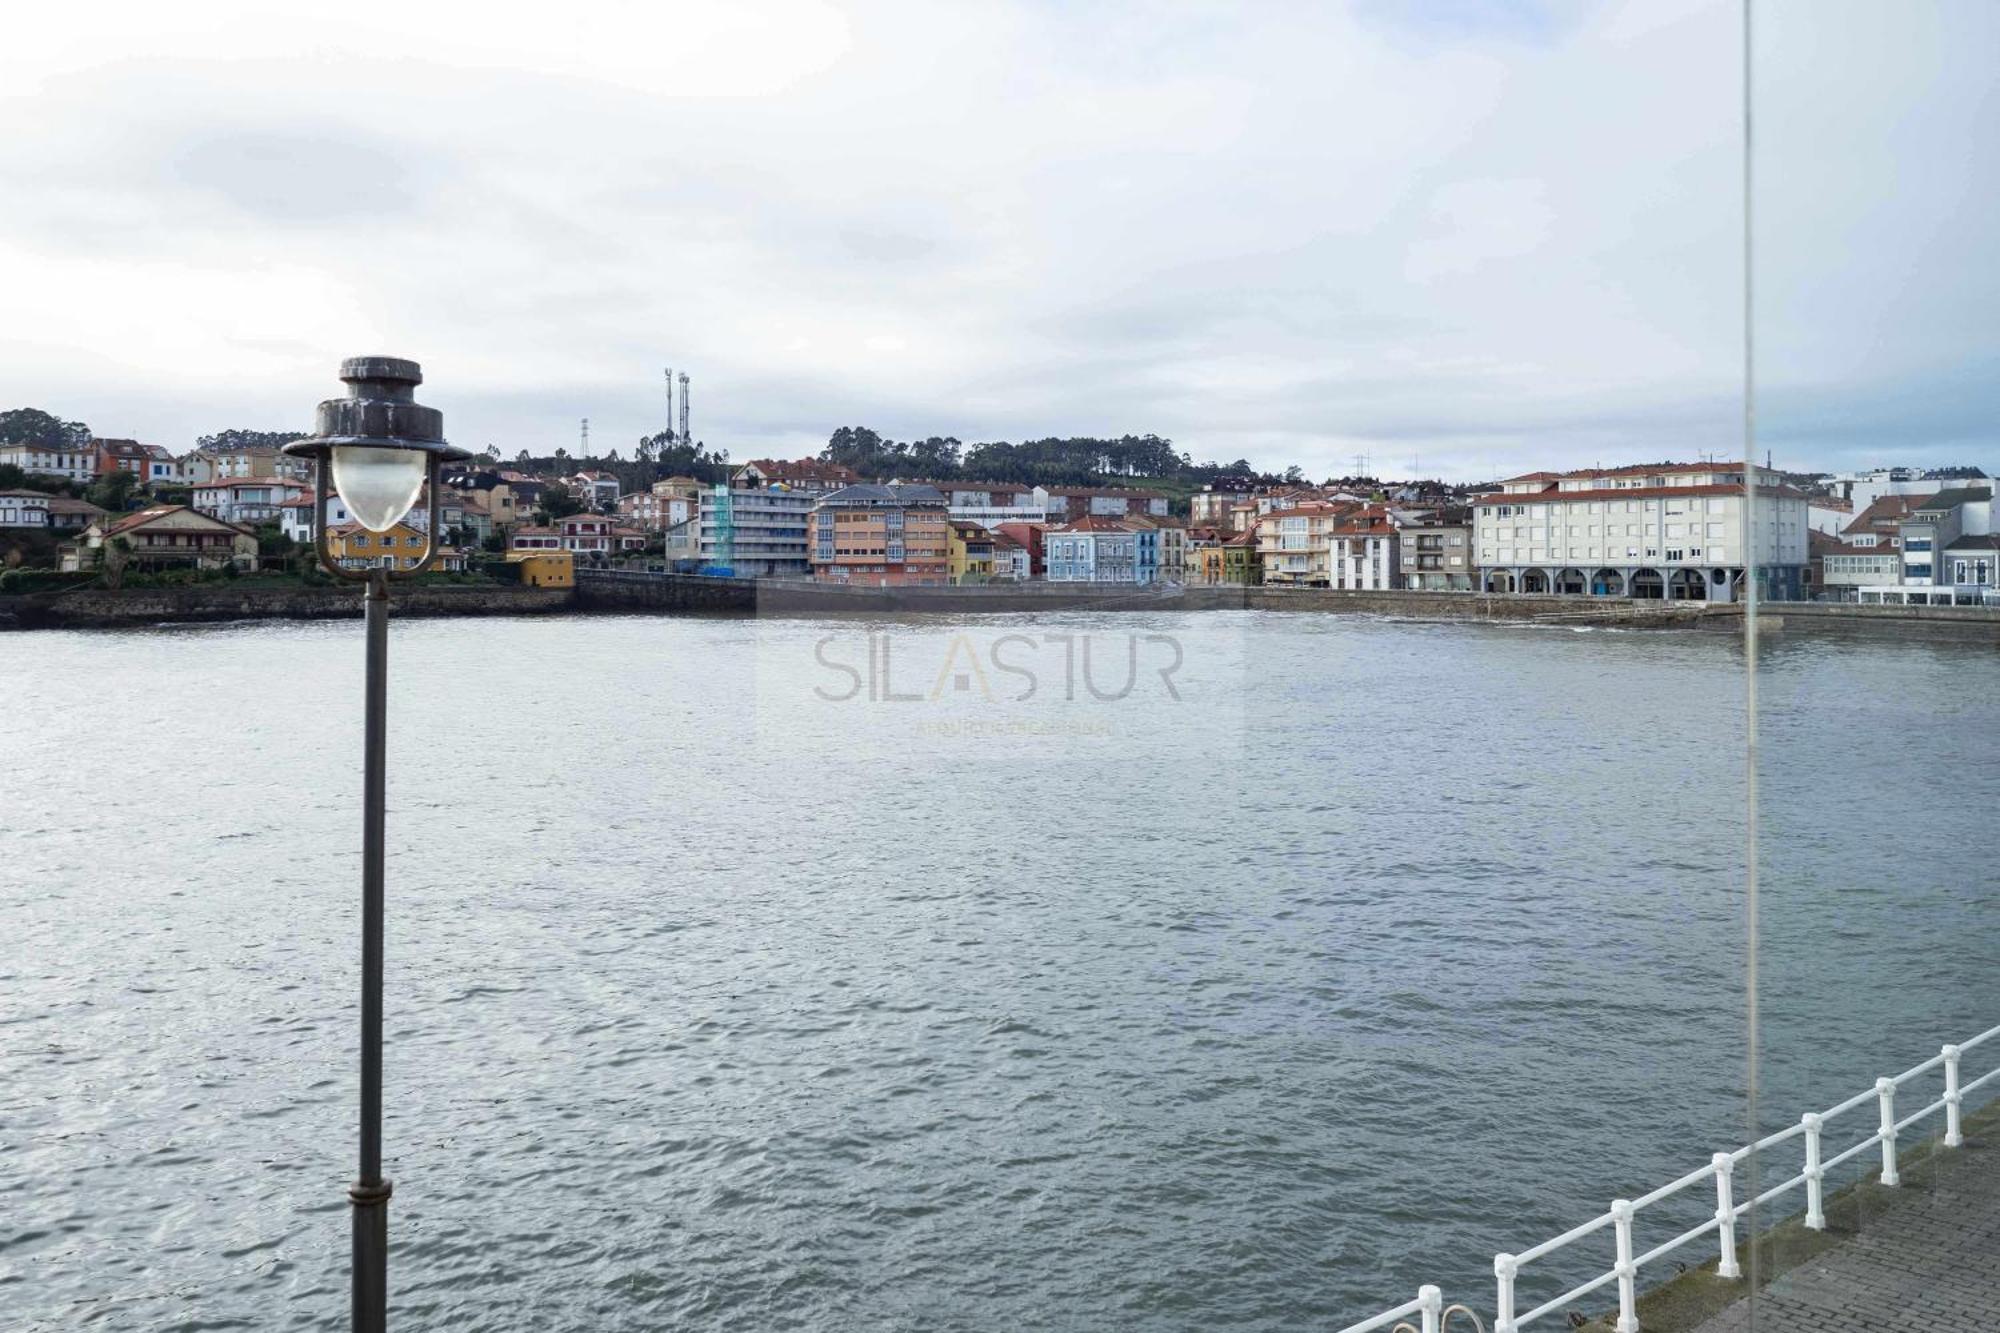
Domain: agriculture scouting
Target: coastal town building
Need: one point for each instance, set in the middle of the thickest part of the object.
(594, 490)
(543, 569)
(1028, 536)
(495, 494)
(1366, 554)
(1136, 550)
(970, 551)
(163, 537)
(1161, 556)
(1863, 488)
(41, 512)
(1295, 545)
(1972, 562)
(1073, 502)
(656, 510)
(224, 462)
(149, 463)
(251, 500)
(1091, 550)
(355, 547)
(1011, 561)
(1437, 551)
(1663, 530)
(1232, 560)
(1210, 506)
(756, 530)
(1868, 552)
(24, 509)
(990, 504)
(883, 534)
(593, 539)
(1934, 524)
(808, 475)
(295, 516)
(71, 464)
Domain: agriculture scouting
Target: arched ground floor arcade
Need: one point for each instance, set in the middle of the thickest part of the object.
(1652, 582)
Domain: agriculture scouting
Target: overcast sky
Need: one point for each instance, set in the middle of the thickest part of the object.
(1465, 236)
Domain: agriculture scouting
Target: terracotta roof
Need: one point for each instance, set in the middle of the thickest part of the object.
(128, 522)
(1886, 509)
(1630, 470)
(227, 483)
(1311, 509)
(1632, 493)
(804, 468)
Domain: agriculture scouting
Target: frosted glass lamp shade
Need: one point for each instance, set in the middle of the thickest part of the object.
(378, 486)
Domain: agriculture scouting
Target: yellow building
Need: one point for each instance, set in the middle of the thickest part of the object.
(355, 547)
(544, 569)
(1232, 561)
(970, 552)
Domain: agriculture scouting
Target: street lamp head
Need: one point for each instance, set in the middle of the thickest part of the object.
(379, 442)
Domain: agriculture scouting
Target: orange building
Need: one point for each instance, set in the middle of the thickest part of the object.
(882, 535)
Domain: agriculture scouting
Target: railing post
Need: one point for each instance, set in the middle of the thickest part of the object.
(1505, 1266)
(1952, 1137)
(1725, 1215)
(1628, 1286)
(1815, 1195)
(1885, 1089)
(1433, 1306)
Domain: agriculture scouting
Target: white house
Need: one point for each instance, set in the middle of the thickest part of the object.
(24, 509)
(251, 500)
(78, 464)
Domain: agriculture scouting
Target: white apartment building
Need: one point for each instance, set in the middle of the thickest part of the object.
(78, 464)
(1295, 546)
(1862, 489)
(251, 500)
(989, 506)
(1365, 553)
(1670, 530)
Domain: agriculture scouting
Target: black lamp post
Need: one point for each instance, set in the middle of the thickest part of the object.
(381, 448)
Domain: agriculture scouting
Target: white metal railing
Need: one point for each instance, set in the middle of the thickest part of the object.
(1721, 1169)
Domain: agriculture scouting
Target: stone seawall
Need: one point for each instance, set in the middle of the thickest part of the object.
(96, 608)
(599, 590)
(1965, 624)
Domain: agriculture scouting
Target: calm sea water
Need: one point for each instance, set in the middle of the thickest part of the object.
(727, 993)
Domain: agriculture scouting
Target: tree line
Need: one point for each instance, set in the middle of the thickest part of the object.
(1074, 461)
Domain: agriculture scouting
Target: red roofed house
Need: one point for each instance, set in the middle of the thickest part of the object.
(165, 536)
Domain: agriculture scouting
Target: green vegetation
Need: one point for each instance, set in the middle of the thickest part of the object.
(556, 502)
(1076, 461)
(238, 439)
(19, 582)
(31, 425)
(112, 490)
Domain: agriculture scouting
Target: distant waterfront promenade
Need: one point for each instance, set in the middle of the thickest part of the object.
(622, 592)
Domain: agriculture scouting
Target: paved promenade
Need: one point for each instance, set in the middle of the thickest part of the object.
(1922, 1258)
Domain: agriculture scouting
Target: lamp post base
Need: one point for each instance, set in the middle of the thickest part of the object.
(371, 1254)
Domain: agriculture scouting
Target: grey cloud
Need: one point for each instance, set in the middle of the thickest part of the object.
(1491, 236)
